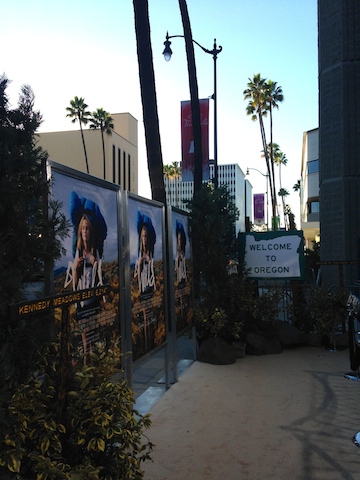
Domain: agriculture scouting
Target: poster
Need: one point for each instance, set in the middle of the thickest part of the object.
(187, 140)
(182, 267)
(146, 276)
(90, 257)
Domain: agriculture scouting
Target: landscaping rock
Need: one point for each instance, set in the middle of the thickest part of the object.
(258, 344)
(240, 349)
(288, 335)
(216, 351)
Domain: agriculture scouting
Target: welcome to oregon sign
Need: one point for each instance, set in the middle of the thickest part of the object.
(274, 255)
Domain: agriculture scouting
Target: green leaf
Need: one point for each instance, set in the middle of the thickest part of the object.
(10, 442)
(15, 464)
(61, 428)
(73, 394)
(44, 446)
(101, 445)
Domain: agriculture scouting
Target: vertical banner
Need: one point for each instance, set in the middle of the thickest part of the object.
(148, 329)
(187, 140)
(259, 208)
(90, 257)
(182, 270)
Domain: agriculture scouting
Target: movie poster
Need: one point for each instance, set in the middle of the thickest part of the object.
(146, 276)
(182, 271)
(90, 257)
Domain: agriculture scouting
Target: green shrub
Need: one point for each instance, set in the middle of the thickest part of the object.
(328, 310)
(88, 432)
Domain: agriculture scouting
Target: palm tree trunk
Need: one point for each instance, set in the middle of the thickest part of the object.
(148, 98)
(194, 95)
(272, 170)
(263, 137)
(83, 142)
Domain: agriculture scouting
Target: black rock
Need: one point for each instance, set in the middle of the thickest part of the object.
(259, 344)
(216, 351)
(288, 335)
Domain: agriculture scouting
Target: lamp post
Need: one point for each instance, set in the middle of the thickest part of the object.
(266, 175)
(214, 52)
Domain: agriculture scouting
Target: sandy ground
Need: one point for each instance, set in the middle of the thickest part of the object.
(286, 416)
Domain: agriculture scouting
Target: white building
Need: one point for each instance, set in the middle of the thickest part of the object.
(309, 187)
(178, 192)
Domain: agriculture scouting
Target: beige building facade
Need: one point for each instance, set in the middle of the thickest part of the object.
(121, 151)
(309, 188)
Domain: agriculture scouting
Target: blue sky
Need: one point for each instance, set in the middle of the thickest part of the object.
(88, 48)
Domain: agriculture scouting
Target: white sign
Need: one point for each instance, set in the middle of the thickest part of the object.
(276, 257)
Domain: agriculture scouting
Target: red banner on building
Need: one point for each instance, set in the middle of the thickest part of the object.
(187, 140)
(259, 208)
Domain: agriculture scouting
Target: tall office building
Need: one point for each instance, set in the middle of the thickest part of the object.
(178, 192)
(121, 151)
(339, 139)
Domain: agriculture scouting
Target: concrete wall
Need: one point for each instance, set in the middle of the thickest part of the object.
(121, 151)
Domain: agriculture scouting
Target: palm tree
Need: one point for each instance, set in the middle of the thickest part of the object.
(279, 159)
(283, 193)
(263, 97)
(102, 120)
(176, 174)
(257, 94)
(296, 186)
(78, 113)
(148, 98)
(288, 212)
(274, 95)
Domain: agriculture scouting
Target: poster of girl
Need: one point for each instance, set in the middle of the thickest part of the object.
(180, 261)
(182, 271)
(90, 255)
(146, 275)
(144, 268)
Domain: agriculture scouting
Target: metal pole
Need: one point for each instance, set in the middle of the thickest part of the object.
(216, 181)
(267, 202)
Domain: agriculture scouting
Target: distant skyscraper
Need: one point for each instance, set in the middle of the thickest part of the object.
(178, 192)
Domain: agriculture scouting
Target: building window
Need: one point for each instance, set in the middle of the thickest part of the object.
(119, 166)
(113, 163)
(313, 166)
(313, 207)
(129, 173)
(124, 172)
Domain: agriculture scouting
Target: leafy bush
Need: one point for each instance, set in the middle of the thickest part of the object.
(327, 309)
(212, 222)
(227, 303)
(88, 432)
(31, 235)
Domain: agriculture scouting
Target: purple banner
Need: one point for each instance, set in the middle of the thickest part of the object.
(259, 208)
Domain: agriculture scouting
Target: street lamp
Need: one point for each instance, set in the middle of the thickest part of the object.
(266, 175)
(214, 52)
